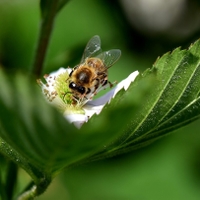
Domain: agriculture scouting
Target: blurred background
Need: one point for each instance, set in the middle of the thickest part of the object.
(143, 30)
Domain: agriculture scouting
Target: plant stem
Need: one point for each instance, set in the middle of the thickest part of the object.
(29, 194)
(37, 187)
(33, 190)
(44, 37)
(11, 179)
(2, 188)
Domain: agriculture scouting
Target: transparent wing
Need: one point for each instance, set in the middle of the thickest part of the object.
(92, 48)
(109, 57)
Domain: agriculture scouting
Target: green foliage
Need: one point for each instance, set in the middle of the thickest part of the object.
(46, 142)
(36, 137)
(172, 103)
(44, 138)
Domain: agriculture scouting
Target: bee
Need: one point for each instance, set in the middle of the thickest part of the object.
(91, 75)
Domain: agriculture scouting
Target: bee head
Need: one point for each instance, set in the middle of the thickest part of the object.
(79, 89)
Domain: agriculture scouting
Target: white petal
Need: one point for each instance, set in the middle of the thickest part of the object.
(60, 71)
(91, 107)
(95, 106)
(77, 119)
(111, 94)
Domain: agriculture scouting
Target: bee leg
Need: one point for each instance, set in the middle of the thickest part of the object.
(70, 74)
(111, 85)
(97, 84)
(88, 91)
(106, 82)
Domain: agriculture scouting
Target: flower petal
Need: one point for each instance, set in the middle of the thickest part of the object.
(79, 116)
(111, 94)
(77, 119)
(96, 106)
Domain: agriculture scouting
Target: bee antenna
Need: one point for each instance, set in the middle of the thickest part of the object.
(66, 94)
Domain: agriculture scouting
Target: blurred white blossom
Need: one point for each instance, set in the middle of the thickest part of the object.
(77, 114)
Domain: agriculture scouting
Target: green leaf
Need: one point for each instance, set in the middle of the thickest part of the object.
(172, 102)
(161, 99)
(41, 137)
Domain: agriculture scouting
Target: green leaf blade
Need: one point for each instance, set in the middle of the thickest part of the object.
(172, 103)
(41, 135)
(161, 99)
(183, 65)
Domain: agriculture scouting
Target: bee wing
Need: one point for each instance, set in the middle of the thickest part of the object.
(109, 57)
(92, 48)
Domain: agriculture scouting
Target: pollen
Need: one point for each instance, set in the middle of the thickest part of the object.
(61, 86)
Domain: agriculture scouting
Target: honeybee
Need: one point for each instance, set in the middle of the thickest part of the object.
(91, 75)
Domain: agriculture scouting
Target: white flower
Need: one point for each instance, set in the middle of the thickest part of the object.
(77, 114)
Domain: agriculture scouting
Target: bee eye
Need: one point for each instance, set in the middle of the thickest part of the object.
(81, 89)
(72, 85)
